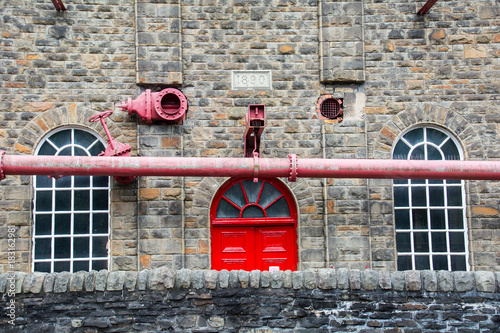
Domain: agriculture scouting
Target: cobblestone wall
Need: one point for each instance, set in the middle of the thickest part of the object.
(240, 301)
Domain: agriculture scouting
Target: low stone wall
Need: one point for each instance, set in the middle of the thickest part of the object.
(321, 300)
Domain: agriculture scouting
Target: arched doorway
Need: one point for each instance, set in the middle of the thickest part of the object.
(253, 226)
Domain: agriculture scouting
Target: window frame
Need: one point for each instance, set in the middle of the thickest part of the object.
(429, 208)
(90, 236)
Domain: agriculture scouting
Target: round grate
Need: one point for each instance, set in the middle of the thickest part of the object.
(330, 108)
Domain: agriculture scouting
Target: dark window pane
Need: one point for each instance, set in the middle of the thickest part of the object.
(453, 181)
(81, 223)
(80, 152)
(63, 200)
(400, 181)
(458, 263)
(100, 181)
(418, 181)
(421, 241)
(43, 201)
(439, 242)
(422, 262)
(419, 218)
(82, 181)
(278, 209)
(440, 262)
(100, 200)
(252, 190)
(418, 196)
(96, 149)
(435, 136)
(404, 263)
(235, 195)
(401, 151)
(253, 212)
(415, 136)
(269, 194)
(62, 247)
(403, 242)
(457, 242)
(42, 248)
(454, 195)
(455, 218)
(81, 266)
(436, 196)
(63, 182)
(99, 247)
(61, 138)
(226, 210)
(401, 198)
(43, 181)
(450, 151)
(81, 247)
(84, 139)
(62, 224)
(43, 224)
(47, 150)
(437, 219)
(433, 154)
(100, 223)
(42, 267)
(418, 153)
(97, 265)
(61, 266)
(66, 152)
(402, 219)
(435, 181)
(82, 200)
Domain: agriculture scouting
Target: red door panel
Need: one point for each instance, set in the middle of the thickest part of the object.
(275, 248)
(235, 246)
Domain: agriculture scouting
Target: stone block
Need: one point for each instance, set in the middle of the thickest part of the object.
(430, 280)
(445, 281)
(162, 278)
(343, 278)
(76, 281)
(33, 282)
(355, 279)
(327, 278)
(89, 283)
(61, 282)
(255, 279)
(101, 280)
(224, 278)
(130, 281)
(485, 281)
(370, 279)
(276, 279)
(116, 280)
(398, 281)
(142, 279)
(198, 279)
(464, 281)
(298, 279)
(244, 278)
(211, 278)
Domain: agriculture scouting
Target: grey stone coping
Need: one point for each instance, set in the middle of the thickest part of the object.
(164, 278)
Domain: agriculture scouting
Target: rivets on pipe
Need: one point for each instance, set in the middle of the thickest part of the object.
(293, 167)
(2, 154)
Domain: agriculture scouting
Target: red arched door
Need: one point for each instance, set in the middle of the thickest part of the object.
(253, 226)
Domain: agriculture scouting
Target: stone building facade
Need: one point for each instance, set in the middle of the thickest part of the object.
(393, 70)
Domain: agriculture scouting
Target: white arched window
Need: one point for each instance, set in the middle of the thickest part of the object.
(71, 214)
(430, 220)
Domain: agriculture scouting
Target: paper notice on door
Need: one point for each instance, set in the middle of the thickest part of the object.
(274, 268)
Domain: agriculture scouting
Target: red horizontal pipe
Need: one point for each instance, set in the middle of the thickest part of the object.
(246, 167)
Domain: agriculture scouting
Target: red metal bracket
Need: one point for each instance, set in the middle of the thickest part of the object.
(114, 147)
(254, 126)
(428, 5)
(59, 5)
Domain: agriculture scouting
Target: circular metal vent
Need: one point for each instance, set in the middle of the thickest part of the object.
(329, 107)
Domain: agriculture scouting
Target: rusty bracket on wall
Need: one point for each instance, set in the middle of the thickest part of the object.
(59, 5)
(428, 5)
(254, 126)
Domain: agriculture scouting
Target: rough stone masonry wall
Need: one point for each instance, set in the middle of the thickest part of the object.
(324, 300)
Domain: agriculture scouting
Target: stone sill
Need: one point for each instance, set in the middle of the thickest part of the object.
(164, 279)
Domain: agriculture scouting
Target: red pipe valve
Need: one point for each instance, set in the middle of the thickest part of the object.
(169, 105)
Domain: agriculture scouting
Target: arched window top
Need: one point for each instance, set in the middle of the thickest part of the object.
(427, 143)
(245, 199)
(70, 142)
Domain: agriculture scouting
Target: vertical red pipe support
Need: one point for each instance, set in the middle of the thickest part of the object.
(59, 5)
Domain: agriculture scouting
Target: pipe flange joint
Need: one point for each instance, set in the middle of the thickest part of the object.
(293, 167)
(2, 175)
